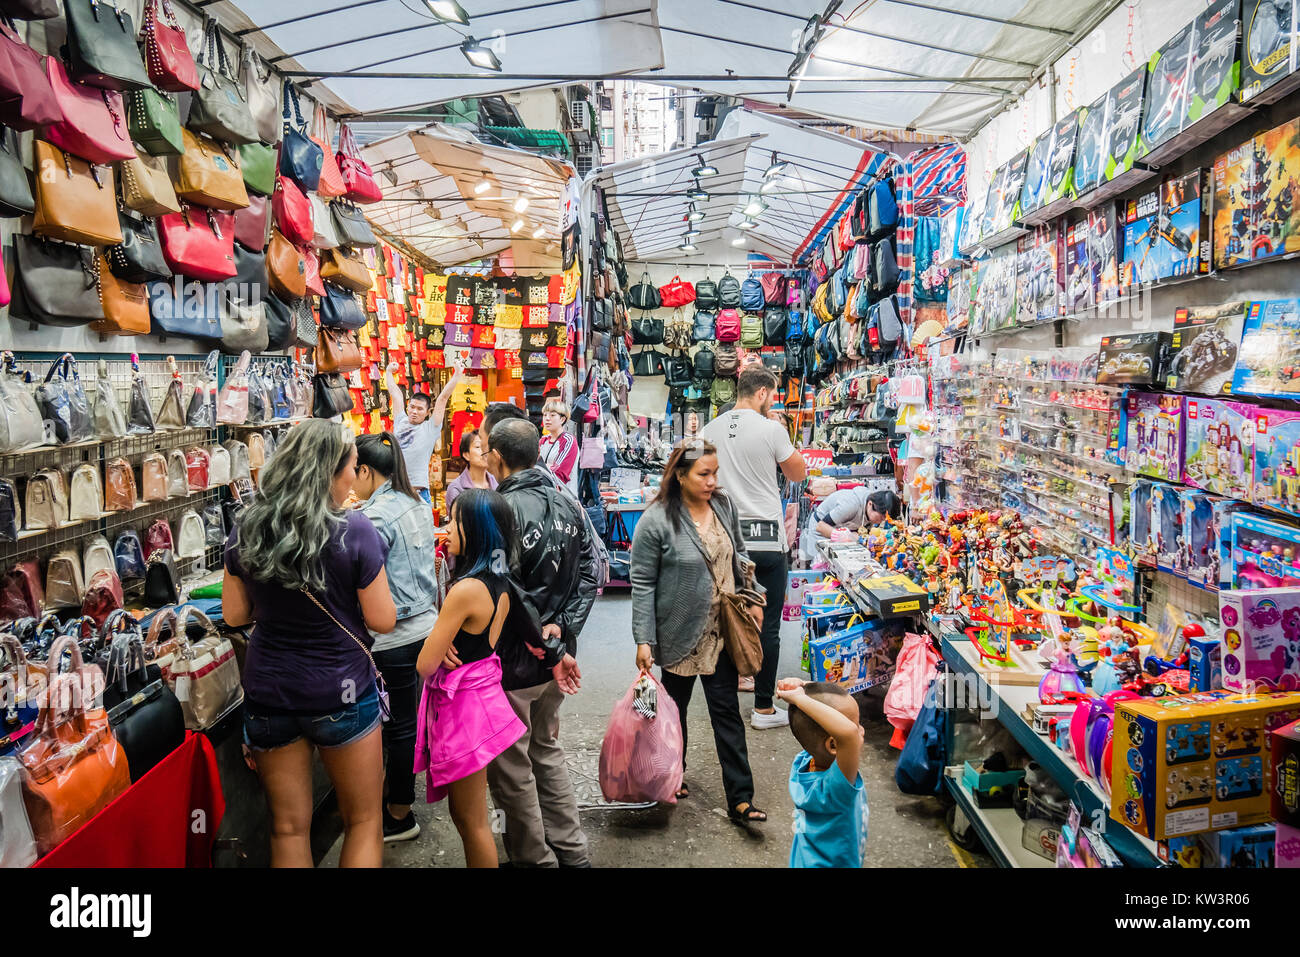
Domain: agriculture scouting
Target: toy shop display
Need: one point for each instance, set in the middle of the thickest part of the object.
(1049, 173)
(1039, 289)
(1133, 359)
(1268, 362)
(1277, 460)
(1090, 150)
(1154, 443)
(1261, 639)
(1255, 212)
(1269, 51)
(856, 657)
(1193, 763)
(993, 297)
(1002, 208)
(1124, 126)
(1204, 347)
(1166, 232)
(1103, 253)
(1284, 743)
(1219, 447)
(1265, 554)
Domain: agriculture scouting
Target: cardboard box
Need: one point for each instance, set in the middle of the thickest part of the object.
(1269, 52)
(1135, 358)
(894, 595)
(1287, 847)
(1038, 276)
(1196, 762)
(1104, 239)
(1255, 214)
(1268, 362)
(1154, 441)
(1285, 793)
(1204, 663)
(1169, 81)
(1264, 553)
(1204, 347)
(856, 658)
(1080, 276)
(1242, 847)
(1090, 154)
(1140, 263)
(1261, 639)
(1049, 173)
(1219, 449)
(1183, 239)
(1217, 74)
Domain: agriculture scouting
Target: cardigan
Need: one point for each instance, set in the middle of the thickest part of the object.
(672, 589)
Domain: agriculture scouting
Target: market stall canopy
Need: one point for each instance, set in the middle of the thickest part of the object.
(943, 66)
(457, 201)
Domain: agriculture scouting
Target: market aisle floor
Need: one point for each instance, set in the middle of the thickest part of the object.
(905, 831)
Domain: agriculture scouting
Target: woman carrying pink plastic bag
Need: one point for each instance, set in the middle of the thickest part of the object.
(641, 756)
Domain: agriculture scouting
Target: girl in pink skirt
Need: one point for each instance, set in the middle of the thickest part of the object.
(465, 719)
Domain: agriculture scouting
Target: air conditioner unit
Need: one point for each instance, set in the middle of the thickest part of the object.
(578, 112)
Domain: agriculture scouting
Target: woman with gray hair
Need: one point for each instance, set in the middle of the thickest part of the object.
(688, 551)
(309, 575)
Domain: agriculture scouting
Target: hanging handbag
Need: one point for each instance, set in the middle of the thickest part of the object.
(232, 400)
(676, 293)
(125, 305)
(110, 423)
(339, 308)
(27, 100)
(219, 106)
(154, 122)
(128, 555)
(280, 323)
(306, 330)
(64, 585)
(101, 45)
(647, 331)
(285, 269)
(20, 419)
(352, 226)
(358, 180)
(243, 306)
(158, 538)
(138, 258)
(648, 362)
(337, 351)
(139, 411)
(202, 670)
(75, 201)
(153, 478)
(167, 54)
(46, 501)
(240, 464)
(331, 180)
(191, 310)
(73, 767)
(97, 556)
(741, 635)
(61, 398)
(214, 526)
(292, 210)
(253, 224)
(330, 396)
(262, 87)
(85, 494)
(201, 411)
(15, 194)
(94, 121)
(162, 579)
(198, 468)
(346, 270)
(300, 158)
(171, 414)
(199, 243)
(191, 542)
(147, 186)
(21, 595)
(142, 710)
(324, 232)
(643, 295)
(119, 490)
(311, 273)
(209, 174)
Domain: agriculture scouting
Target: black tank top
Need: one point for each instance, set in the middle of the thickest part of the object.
(476, 647)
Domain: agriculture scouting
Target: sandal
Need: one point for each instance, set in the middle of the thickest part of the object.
(682, 792)
(750, 814)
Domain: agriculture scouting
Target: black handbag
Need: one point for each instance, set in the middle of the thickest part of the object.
(101, 46)
(648, 362)
(306, 331)
(139, 256)
(774, 324)
(57, 284)
(338, 307)
(162, 580)
(647, 331)
(704, 327)
(352, 226)
(644, 295)
(602, 315)
(15, 192)
(220, 106)
(300, 158)
(242, 306)
(330, 396)
(143, 712)
(677, 371)
(281, 324)
(706, 295)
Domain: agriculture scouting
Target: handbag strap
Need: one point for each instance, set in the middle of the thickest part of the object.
(291, 97)
(344, 628)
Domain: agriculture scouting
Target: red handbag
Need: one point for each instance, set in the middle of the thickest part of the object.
(94, 120)
(199, 243)
(197, 461)
(357, 176)
(158, 536)
(167, 54)
(253, 223)
(21, 592)
(315, 285)
(676, 293)
(292, 212)
(27, 100)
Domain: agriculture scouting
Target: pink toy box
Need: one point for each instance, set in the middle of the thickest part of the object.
(1261, 639)
(1219, 452)
(1154, 443)
(1277, 460)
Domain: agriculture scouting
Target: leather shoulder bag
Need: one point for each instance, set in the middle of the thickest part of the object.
(101, 45)
(262, 85)
(147, 186)
(337, 350)
(142, 710)
(167, 54)
(27, 100)
(58, 285)
(330, 396)
(209, 174)
(125, 304)
(75, 201)
(154, 122)
(220, 106)
(352, 226)
(292, 210)
(339, 308)
(94, 123)
(285, 269)
(15, 194)
(138, 257)
(346, 270)
(300, 158)
(200, 243)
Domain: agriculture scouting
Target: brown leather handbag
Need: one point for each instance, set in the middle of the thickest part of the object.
(741, 635)
(285, 269)
(345, 270)
(75, 201)
(153, 477)
(337, 351)
(125, 304)
(147, 187)
(209, 174)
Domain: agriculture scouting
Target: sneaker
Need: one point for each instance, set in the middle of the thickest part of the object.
(777, 719)
(407, 829)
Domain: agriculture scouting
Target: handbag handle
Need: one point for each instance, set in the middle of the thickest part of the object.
(10, 643)
(291, 97)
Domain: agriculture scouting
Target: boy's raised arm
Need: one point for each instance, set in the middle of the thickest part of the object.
(846, 732)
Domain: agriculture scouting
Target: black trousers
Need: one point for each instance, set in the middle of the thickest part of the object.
(772, 571)
(728, 724)
(397, 665)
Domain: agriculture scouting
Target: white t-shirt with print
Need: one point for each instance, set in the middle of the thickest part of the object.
(750, 450)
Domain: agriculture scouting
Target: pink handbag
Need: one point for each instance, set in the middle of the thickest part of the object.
(253, 223)
(94, 120)
(357, 176)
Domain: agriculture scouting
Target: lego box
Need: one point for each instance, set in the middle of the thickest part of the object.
(1080, 278)
(1049, 173)
(1269, 50)
(1132, 359)
(1183, 238)
(1204, 347)
(1268, 362)
(1277, 460)
(1261, 639)
(1038, 286)
(1219, 447)
(1141, 263)
(1255, 213)
(1198, 762)
(1090, 146)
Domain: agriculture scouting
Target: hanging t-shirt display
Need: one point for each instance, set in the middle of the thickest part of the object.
(536, 338)
(536, 316)
(485, 292)
(536, 291)
(511, 289)
(460, 291)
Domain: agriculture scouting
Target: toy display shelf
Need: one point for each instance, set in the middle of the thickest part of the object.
(999, 828)
(1148, 564)
(1010, 701)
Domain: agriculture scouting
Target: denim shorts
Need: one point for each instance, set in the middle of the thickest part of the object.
(333, 730)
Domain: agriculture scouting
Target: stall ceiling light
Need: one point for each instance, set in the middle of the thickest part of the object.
(517, 225)
(480, 55)
(448, 11)
(687, 246)
(697, 193)
(754, 207)
(694, 215)
(770, 185)
(539, 232)
(776, 168)
(521, 204)
(704, 169)
(691, 234)
(483, 185)
(738, 241)
(747, 223)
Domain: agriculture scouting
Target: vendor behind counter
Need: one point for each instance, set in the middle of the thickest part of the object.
(847, 508)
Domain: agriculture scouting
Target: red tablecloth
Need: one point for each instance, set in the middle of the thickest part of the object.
(169, 818)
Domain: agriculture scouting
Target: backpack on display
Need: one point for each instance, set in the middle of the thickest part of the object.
(704, 327)
(704, 363)
(774, 324)
(128, 556)
(774, 288)
(240, 463)
(794, 359)
(726, 360)
(677, 371)
(722, 391)
(177, 474)
(64, 585)
(191, 539)
(727, 325)
(46, 505)
(751, 294)
(794, 326)
(162, 580)
(882, 209)
(729, 292)
(706, 295)
(153, 477)
(884, 268)
(103, 596)
(751, 331)
(219, 473)
(774, 360)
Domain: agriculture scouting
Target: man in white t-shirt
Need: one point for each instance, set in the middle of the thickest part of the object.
(751, 447)
(417, 424)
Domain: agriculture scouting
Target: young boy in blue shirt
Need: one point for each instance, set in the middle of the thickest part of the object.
(830, 828)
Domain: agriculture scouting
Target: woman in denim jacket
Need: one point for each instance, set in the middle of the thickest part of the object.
(405, 523)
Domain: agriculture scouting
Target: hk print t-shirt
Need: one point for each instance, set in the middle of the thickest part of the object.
(750, 449)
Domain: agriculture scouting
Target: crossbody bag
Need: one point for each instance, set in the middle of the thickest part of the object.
(382, 689)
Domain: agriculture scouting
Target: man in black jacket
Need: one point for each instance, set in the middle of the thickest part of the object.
(530, 781)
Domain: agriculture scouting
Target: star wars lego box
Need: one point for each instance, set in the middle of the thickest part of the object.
(1197, 762)
(1103, 241)
(1270, 52)
(1169, 79)
(1140, 264)
(1184, 223)
(1049, 173)
(1039, 289)
(1203, 348)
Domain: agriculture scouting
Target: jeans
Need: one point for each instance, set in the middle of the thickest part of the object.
(772, 572)
(336, 729)
(530, 784)
(728, 726)
(397, 665)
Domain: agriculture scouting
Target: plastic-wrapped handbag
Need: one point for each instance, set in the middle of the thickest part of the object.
(218, 467)
(20, 419)
(162, 579)
(119, 486)
(201, 413)
(198, 664)
(20, 706)
(128, 556)
(177, 475)
(17, 844)
(103, 596)
(62, 399)
(153, 478)
(240, 469)
(232, 401)
(85, 494)
(110, 422)
(259, 398)
(190, 538)
(142, 710)
(74, 767)
(256, 451)
(214, 525)
(65, 585)
(197, 466)
(171, 414)
(158, 538)
(11, 512)
(46, 504)
(97, 557)
(139, 415)
(301, 393)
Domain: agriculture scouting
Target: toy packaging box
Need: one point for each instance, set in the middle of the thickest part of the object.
(1167, 524)
(1288, 847)
(1277, 460)
(856, 658)
(1269, 54)
(1140, 263)
(1265, 554)
(1285, 745)
(1197, 762)
(1261, 639)
(1219, 446)
(1124, 124)
(1010, 183)
(1204, 664)
(1080, 277)
(993, 204)
(994, 298)
(1140, 536)
(1090, 153)
(1184, 224)
(1206, 554)
(1217, 73)
(1240, 847)
(1154, 445)
(1135, 358)
(1104, 239)
(1169, 81)
(1204, 346)
(1039, 291)
(1049, 172)
(1255, 213)
(1268, 362)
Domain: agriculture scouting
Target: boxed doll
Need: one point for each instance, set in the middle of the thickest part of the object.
(1154, 442)
(1219, 446)
(1205, 554)
(1139, 515)
(1261, 639)
(1276, 482)
(1265, 554)
(1167, 524)
(1204, 346)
